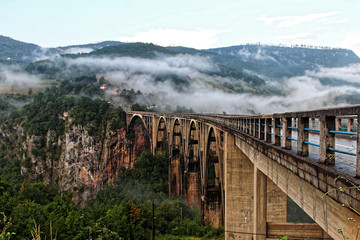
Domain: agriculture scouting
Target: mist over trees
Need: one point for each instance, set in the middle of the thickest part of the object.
(94, 88)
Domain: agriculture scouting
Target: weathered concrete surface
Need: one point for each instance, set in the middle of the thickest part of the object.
(239, 191)
(260, 204)
(192, 187)
(329, 214)
(175, 177)
(276, 208)
(241, 170)
(213, 211)
(296, 230)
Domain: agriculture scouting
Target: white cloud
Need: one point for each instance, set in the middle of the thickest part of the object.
(303, 37)
(200, 94)
(14, 76)
(296, 38)
(75, 50)
(349, 73)
(351, 41)
(260, 54)
(200, 39)
(290, 21)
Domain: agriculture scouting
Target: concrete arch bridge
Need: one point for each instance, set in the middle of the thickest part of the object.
(239, 170)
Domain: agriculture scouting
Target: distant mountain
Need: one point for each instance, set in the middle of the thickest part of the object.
(240, 81)
(244, 78)
(17, 52)
(142, 50)
(84, 47)
(279, 62)
(186, 50)
(236, 69)
(275, 62)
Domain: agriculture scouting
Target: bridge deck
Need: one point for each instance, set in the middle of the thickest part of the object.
(319, 147)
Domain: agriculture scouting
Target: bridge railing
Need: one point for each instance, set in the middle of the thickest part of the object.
(294, 129)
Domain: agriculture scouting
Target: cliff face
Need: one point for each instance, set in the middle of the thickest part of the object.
(76, 161)
(88, 163)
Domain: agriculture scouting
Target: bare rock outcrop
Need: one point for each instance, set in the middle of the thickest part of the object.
(76, 161)
(87, 163)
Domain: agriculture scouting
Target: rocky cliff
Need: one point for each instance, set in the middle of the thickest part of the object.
(76, 161)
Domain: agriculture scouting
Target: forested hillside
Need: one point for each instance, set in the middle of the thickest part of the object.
(17, 52)
(68, 171)
(279, 62)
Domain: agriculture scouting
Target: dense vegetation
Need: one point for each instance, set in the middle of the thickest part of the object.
(16, 52)
(279, 62)
(42, 114)
(122, 210)
(11, 102)
(98, 45)
(142, 50)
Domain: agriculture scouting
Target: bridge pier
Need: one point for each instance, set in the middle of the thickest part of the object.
(176, 159)
(239, 191)
(212, 182)
(329, 214)
(260, 197)
(192, 168)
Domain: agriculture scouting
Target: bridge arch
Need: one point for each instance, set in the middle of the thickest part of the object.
(212, 160)
(192, 173)
(213, 198)
(162, 141)
(135, 118)
(139, 135)
(176, 165)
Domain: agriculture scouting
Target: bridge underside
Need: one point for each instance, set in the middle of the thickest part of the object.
(326, 212)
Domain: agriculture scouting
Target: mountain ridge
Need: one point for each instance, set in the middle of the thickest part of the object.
(275, 61)
(17, 52)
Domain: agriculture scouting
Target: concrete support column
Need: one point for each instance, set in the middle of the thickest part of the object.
(327, 140)
(262, 129)
(277, 132)
(338, 124)
(312, 123)
(303, 136)
(154, 135)
(254, 127)
(239, 191)
(286, 133)
(257, 128)
(246, 130)
(350, 124)
(260, 201)
(268, 137)
(276, 207)
(251, 127)
(175, 176)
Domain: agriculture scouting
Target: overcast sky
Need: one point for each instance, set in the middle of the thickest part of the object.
(192, 23)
